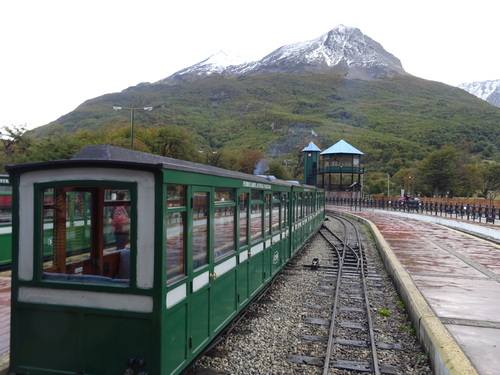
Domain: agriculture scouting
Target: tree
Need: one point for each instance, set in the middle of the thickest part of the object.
(439, 171)
(405, 179)
(277, 170)
(491, 181)
(470, 178)
(171, 141)
(16, 145)
(248, 160)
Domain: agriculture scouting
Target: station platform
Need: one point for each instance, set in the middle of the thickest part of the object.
(450, 283)
(448, 280)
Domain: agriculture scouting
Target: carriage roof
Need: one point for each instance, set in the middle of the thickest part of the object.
(111, 156)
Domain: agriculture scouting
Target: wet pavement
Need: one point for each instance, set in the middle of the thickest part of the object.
(458, 275)
(4, 319)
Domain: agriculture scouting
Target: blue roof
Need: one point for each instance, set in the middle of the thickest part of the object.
(311, 147)
(341, 147)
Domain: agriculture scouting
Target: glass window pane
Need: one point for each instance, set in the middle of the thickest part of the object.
(80, 228)
(267, 220)
(224, 195)
(120, 220)
(176, 264)
(276, 216)
(223, 231)
(243, 219)
(256, 233)
(5, 203)
(284, 210)
(176, 196)
(200, 229)
(256, 195)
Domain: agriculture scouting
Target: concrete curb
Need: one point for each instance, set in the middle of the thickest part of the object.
(4, 363)
(445, 355)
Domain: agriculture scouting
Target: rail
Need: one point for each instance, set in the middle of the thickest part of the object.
(350, 272)
(480, 213)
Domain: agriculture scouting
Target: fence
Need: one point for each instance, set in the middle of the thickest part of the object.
(473, 212)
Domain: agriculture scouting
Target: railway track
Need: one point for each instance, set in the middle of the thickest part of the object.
(350, 342)
(333, 310)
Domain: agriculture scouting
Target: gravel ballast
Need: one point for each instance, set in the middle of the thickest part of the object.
(270, 332)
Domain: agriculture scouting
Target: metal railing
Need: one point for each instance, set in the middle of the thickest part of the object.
(480, 213)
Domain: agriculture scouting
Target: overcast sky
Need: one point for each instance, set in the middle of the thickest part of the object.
(55, 54)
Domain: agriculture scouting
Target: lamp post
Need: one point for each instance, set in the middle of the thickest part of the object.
(132, 110)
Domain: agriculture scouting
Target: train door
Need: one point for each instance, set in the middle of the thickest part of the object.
(199, 262)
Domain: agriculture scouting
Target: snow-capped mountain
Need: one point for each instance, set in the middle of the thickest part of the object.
(343, 50)
(486, 90)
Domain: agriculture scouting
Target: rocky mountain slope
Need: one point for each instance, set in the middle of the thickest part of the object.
(343, 50)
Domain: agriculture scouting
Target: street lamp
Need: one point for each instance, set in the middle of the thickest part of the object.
(132, 110)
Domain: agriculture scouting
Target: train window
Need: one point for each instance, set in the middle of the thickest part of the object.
(268, 217)
(284, 210)
(256, 195)
(243, 219)
(176, 263)
(223, 231)
(5, 203)
(256, 216)
(300, 206)
(224, 222)
(224, 195)
(276, 213)
(176, 195)
(85, 235)
(200, 228)
(176, 240)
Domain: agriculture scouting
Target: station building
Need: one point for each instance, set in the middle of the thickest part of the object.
(337, 169)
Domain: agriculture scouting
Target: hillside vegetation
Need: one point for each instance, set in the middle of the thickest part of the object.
(394, 122)
(274, 113)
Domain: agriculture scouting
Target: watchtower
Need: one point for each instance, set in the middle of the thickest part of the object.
(311, 155)
(340, 170)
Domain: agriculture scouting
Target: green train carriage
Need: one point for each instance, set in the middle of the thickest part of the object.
(201, 243)
(5, 221)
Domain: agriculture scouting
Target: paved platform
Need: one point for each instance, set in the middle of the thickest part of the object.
(451, 286)
(4, 320)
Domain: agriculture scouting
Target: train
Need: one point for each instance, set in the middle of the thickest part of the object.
(5, 221)
(169, 253)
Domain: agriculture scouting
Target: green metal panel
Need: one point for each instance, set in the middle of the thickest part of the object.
(109, 340)
(5, 244)
(267, 264)
(256, 269)
(223, 303)
(242, 283)
(277, 256)
(199, 320)
(69, 341)
(46, 339)
(175, 339)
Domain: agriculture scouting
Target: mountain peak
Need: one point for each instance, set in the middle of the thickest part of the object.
(343, 50)
(486, 90)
